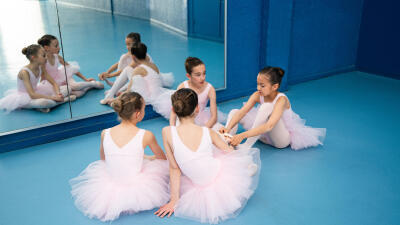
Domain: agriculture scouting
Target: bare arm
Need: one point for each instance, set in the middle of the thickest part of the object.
(213, 108)
(172, 117)
(102, 155)
(150, 140)
(254, 98)
(276, 114)
(217, 141)
(174, 173)
(24, 76)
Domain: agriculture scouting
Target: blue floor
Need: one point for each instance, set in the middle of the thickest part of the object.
(352, 179)
(95, 40)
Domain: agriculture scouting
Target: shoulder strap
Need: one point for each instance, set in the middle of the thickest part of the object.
(185, 84)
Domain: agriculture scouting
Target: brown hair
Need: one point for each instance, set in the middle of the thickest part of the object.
(139, 50)
(127, 104)
(274, 74)
(192, 62)
(31, 50)
(134, 36)
(46, 39)
(184, 101)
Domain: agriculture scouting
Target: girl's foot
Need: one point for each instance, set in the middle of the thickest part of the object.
(98, 84)
(106, 101)
(43, 110)
(252, 169)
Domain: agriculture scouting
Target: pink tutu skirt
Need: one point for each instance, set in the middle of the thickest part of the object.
(14, 99)
(227, 194)
(100, 195)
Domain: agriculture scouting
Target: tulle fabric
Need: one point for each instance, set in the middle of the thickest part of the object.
(100, 194)
(59, 77)
(167, 79)
(226, 195)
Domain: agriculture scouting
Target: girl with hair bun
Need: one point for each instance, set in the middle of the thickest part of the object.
(124, 67)
(30, 94)
(209, 182)
(55, 67)
(124, 180)
(273, 121)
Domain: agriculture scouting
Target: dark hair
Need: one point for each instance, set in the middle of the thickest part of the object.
(46, 39)
(139, 50)
(192, 62)
(134, 36)
(126, 104)
(184, 101)
(274, 74)
(31, 50)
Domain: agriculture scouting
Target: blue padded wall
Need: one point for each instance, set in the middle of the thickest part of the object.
(379, 38)
(324, 38)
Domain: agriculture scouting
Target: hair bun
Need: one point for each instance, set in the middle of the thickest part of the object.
(281, 72)
(24, 50)
(179, 106)
(117, 105)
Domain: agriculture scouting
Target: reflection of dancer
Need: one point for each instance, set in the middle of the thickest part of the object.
(144, 78)
(125, 61)
(55, 68)
(196, 73)
(273, 121)
(28, 93)
(125, 180)
(216, 182)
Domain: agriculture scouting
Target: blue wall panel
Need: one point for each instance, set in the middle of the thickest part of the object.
(324, 37)
(379, 44)
(243, 48)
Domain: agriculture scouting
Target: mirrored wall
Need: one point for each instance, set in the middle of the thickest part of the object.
(91, 37)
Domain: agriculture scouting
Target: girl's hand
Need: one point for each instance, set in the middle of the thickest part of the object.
(90, 79)
(223, 130)
(58, 98)
(237, 139)
(166, 209)
(103, 75)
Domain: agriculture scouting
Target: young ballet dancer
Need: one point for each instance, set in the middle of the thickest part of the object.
(124, 180)
(30, 93)
(196, 74)
(126, 62)
(209, 182)
(55, 67)
(144, 78)
(273, 121)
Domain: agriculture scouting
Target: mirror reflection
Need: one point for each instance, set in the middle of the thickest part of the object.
(99, 38)
(95, 41)
(25, 101)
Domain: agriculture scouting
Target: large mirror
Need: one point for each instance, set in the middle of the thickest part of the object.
(96, 36)
(92, 34)
(22, 23)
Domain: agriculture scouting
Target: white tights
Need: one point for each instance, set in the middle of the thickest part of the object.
(278, 137)
(80, 88)
(42, 103)
(120, 84)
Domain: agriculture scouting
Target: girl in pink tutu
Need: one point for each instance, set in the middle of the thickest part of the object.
(55, 67)
(126, 61)
(29, 94)
(196, 74)
(273, 121)
(209, 182)
(124, 180)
